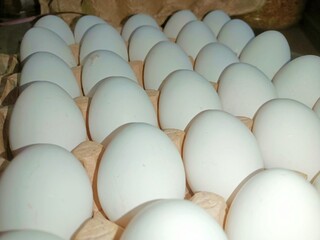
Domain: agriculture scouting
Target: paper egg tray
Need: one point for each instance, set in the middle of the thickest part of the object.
(89, 152)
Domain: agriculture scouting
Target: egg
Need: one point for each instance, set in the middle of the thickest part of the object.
(176, 22)
(235, 34)
(194, 36)
(101, 64)
(268, 51)
(83, 24)
(275, 204)
(142, 40)
(215, 20)
(117, 101)
(27, 235)
(45, 113)
(219, 152)
(135, 21)
(102, 37)
(172, 219)
(316, 107)
(41, 186)
(183, 95)
(140, 164)
(288, 133)
(316, 182)
(243, 89)
(213, 59)
(38, 39)
(57, 25)
(299, 79)
(45, 66)
(163, 58)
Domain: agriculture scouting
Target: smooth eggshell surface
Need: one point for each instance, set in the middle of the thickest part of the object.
(140, 164)
(288, 133)
(300, 80)
(173, 219)
(268, 51)
(183, 95)
(316, 107)
(45, 66)
(215, 20)
(28, 235)
(83, 24)
(243, 89)
(219, 153)
(45, 113)
(275, 204)
(38, 39)
(213, 59)
(102, 37)
(57, 25)
(101, 64)
(118, 101)
(49, 184)
(164, 58)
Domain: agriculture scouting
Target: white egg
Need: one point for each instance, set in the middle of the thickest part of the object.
(139, 165)
(275, 204)
(173, 219)
(299, 79)
(163, 58)
(235, 34)
(118, 101)
(215, 20)
(28, 235)
(316, 107)
(83, 24)
(135, 21)
(219, 152)
(243, 89)
(268, 51)
(288, 133)
(183, 95)
(102, 37)
(194, 36)
(45, 66)
(213, 59)
(38, 39)
(57, 25)
(142, 40)
(45, 188)
(176, 22)
(45, 113)
(101, 64)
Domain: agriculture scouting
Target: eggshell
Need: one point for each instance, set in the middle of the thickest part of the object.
(275, 204)
(268, 51)
(140, 164)
(316, 182)
(45, 66)
(235, 34)
(142, 40)
(101, 64)
(57, 25)
(83, 24)
(135, 21)
(215, 20)
(38, 39)
(299, 79)
(102, 37)
(117, 101)
(45, 113)
(176, 22)
(183, 95)
(219, 153)
(41, 186)
(316, 107)
(27, 235)
(163, 58)
(173, 219)
(194, 36)
(243, 89)
(213, 59)
(288, 133)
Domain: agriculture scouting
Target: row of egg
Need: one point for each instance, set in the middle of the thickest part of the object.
(209, 121)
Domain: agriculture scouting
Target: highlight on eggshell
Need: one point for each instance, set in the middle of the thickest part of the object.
(83, 24)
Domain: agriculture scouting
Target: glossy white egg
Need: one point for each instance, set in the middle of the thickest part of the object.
(215, 20)
(28, 235)
(83, 24)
